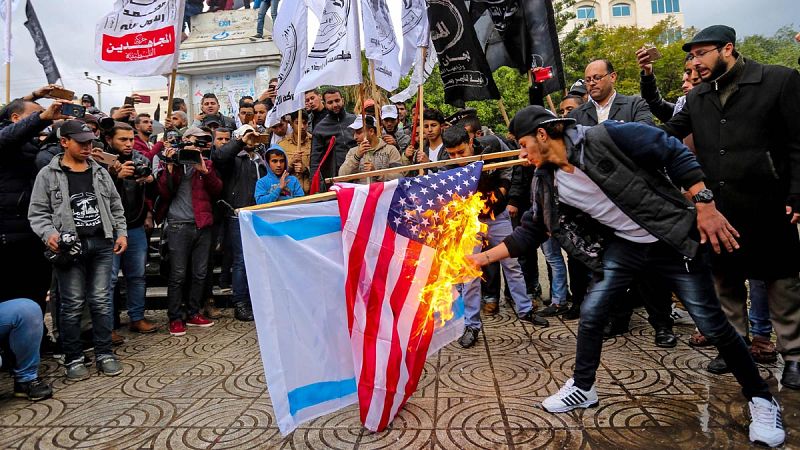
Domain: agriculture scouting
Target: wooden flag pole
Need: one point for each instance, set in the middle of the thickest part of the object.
(378, 124)
(330, 195)
(172, 77)
(421, 106)
(502, 107)
(427, 165)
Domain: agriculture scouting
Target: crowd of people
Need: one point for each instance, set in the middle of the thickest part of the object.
(702, 208)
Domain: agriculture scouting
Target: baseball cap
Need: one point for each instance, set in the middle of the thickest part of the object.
(389, 112)
(531, 118)
(76, 130)
(195, 131)
(242, 130)
(359, 124)
(578, 88)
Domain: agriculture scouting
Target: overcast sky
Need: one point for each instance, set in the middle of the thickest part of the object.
(70, 27)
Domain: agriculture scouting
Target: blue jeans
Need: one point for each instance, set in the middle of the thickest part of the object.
(262, 12)
(498, 229)
(623, 261)
(133, 263)
(554, 257)
(760, 324)
(241, 292)
(22, 324)
(86, 281)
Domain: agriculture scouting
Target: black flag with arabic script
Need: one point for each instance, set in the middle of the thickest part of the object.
(465, 72)
(41, 48)
(519, 34)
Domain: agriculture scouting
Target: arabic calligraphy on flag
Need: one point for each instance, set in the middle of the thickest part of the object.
(146, 45)
(140, 38)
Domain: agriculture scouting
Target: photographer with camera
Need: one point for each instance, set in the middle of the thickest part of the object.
(134, 182)
(187, 185)
(242, 162)
(76, 210)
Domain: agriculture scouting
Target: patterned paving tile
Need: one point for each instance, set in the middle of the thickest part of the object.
(206, 390)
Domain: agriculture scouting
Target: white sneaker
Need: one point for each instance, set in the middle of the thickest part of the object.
(571, 397)
(766, 424)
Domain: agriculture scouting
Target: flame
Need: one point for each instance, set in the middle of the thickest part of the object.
(457, 233)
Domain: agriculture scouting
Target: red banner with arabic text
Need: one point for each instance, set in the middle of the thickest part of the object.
(139, 46)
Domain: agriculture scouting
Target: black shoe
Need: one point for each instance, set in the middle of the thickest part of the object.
(613, 329)
(718, 366)
(791, 375)
(553, 310)
(243, 313)
(666, 338)
(34, 390)
(469, 337)
(534, 319)
(573, 313)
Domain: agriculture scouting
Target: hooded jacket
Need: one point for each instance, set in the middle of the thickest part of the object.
(268, 188)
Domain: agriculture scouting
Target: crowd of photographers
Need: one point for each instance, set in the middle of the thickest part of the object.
(88, 192)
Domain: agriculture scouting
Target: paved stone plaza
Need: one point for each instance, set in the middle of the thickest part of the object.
(206, 390)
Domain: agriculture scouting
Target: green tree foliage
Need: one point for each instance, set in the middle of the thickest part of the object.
(778, 49)
(589, 41)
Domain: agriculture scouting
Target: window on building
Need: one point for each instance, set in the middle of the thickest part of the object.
(621, 10)
(586, 12)
(665, 6)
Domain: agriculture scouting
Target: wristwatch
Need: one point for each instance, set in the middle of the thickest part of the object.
(704, 196)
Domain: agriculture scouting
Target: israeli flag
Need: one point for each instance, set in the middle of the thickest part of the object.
(295, 270)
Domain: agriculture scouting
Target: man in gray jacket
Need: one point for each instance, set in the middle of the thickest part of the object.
(73, 197)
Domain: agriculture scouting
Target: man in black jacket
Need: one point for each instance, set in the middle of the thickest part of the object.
(334, 125)
(606, 104)
(241, 162)
(21, 121)
(600, 192)
(743, 119)
(134, 182)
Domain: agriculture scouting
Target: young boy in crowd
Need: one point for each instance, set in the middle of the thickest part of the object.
(277, 184)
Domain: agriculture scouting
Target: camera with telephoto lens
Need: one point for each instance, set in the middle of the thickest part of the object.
(191, 155)
(69, 249)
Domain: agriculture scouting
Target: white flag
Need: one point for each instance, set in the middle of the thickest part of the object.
(420, 74)
(291, 37)
(335, 57)
(415, 31)
(316, 6)
(140, 39)
(380, 43)
(7, 8)
(302, 327)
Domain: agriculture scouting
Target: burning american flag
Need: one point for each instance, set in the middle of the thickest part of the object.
(404, 243)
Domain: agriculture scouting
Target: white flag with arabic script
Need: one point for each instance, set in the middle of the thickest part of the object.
(291, 38)
(335, 57)
(139, 39)
(380, 43)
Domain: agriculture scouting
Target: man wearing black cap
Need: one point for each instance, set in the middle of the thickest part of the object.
(600, 192)
(73, 197)
(743, 118)
(88, 101)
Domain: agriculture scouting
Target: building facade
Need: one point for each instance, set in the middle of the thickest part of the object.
(618, 13)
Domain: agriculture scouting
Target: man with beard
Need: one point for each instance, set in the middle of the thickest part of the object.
(133, 179)
(141, 142)
(335, 125)
(743, 119)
